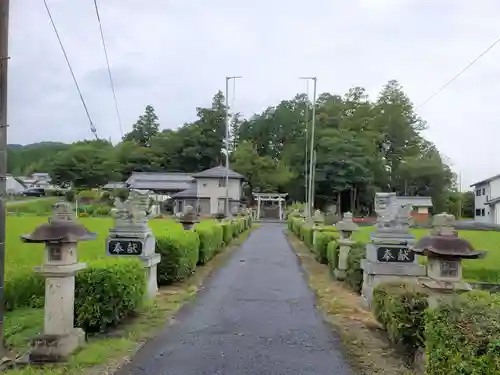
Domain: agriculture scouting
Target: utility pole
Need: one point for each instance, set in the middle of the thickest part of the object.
(306, 183)
(4, 58)
(310, 197)
(227, 210)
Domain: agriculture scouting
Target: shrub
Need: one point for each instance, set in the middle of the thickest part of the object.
(88, 195)
(332, 255)
(320, 247)
(211, 239)
(463, 337)
(354, 273)
(400, 308)
(179, 251)
(26, 289)
(227, 230)
(107, 292)
(306, 234)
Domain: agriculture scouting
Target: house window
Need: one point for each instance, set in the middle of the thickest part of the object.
(478, 192)
(484, 191)
(478, 212)
(222, 182)
(482, 211)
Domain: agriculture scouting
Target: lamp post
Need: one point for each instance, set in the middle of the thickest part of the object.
(310, 198)
(228, 212)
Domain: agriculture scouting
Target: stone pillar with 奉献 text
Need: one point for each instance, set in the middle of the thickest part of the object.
(61, 235)
(132, 236)
(388, 257)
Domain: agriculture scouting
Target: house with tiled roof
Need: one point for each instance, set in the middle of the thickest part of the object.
(206, 190)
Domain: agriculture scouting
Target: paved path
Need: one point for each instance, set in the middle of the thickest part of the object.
(255, 316)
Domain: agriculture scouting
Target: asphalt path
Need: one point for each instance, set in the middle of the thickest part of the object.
(254, 316)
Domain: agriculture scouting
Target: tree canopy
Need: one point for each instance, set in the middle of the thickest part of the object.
(361, 146)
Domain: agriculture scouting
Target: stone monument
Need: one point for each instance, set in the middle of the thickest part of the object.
(444, 251)
(346, 227)
(61, 236)
(132, 236)
(388, 257)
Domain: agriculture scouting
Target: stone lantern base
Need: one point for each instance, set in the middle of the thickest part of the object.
(55, 348)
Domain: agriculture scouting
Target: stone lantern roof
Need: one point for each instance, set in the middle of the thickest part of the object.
(346, 224)
(444, 242)
(61, 228)
(189, 216)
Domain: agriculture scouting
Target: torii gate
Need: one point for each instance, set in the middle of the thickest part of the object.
(270, 197)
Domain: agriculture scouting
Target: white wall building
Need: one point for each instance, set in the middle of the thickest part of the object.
(487, 200)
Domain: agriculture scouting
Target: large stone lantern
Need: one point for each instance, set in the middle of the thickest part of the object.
(445, 250)
(346, 227)
(60, 236)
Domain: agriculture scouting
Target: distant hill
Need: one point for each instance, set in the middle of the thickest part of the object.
(33, 157)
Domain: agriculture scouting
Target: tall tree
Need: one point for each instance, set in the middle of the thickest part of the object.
(145, 128)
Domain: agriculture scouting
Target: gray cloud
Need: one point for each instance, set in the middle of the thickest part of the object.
(175, 55)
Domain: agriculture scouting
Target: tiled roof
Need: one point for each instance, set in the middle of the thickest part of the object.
(159, 181)
(485, 181)
(218, 172)
(191, 192)
(114, 185)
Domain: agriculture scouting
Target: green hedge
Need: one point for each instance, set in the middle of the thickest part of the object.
(36, 207)
(354, 273)
(332, 255)
(26, 289)
(400, 308)
(211, 239)
(227, 231)
(322, 241)
(464, 337)
(107, 292)
(179, 251)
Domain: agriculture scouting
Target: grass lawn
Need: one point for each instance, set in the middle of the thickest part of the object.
(486, 269)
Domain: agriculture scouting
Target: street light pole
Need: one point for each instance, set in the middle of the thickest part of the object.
(227, 143)
(310, 202)
(4, 58)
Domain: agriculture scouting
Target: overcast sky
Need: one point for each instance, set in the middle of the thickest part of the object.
(175, 55)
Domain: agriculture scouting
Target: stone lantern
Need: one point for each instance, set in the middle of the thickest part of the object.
(188, 218)
(60, 236)
(318, 220)
(444, 251)
(346, 227)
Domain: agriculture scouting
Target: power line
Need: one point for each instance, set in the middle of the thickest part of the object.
(92, 127)
(459, 73)
(109, 69)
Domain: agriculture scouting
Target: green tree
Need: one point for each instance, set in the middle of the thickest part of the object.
(87, 164)
(145, 128)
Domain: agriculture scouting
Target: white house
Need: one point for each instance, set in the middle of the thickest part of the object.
(204, 190)
(13, 186)
(207, 191)
(487, 200)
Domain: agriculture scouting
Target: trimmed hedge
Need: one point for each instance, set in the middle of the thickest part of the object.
(400, 308)
(27, 289)
(107, 292)
(354, 273)
(463, 337)
(332, 255)
(179, 251)
(211, 239)
(323, 239)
